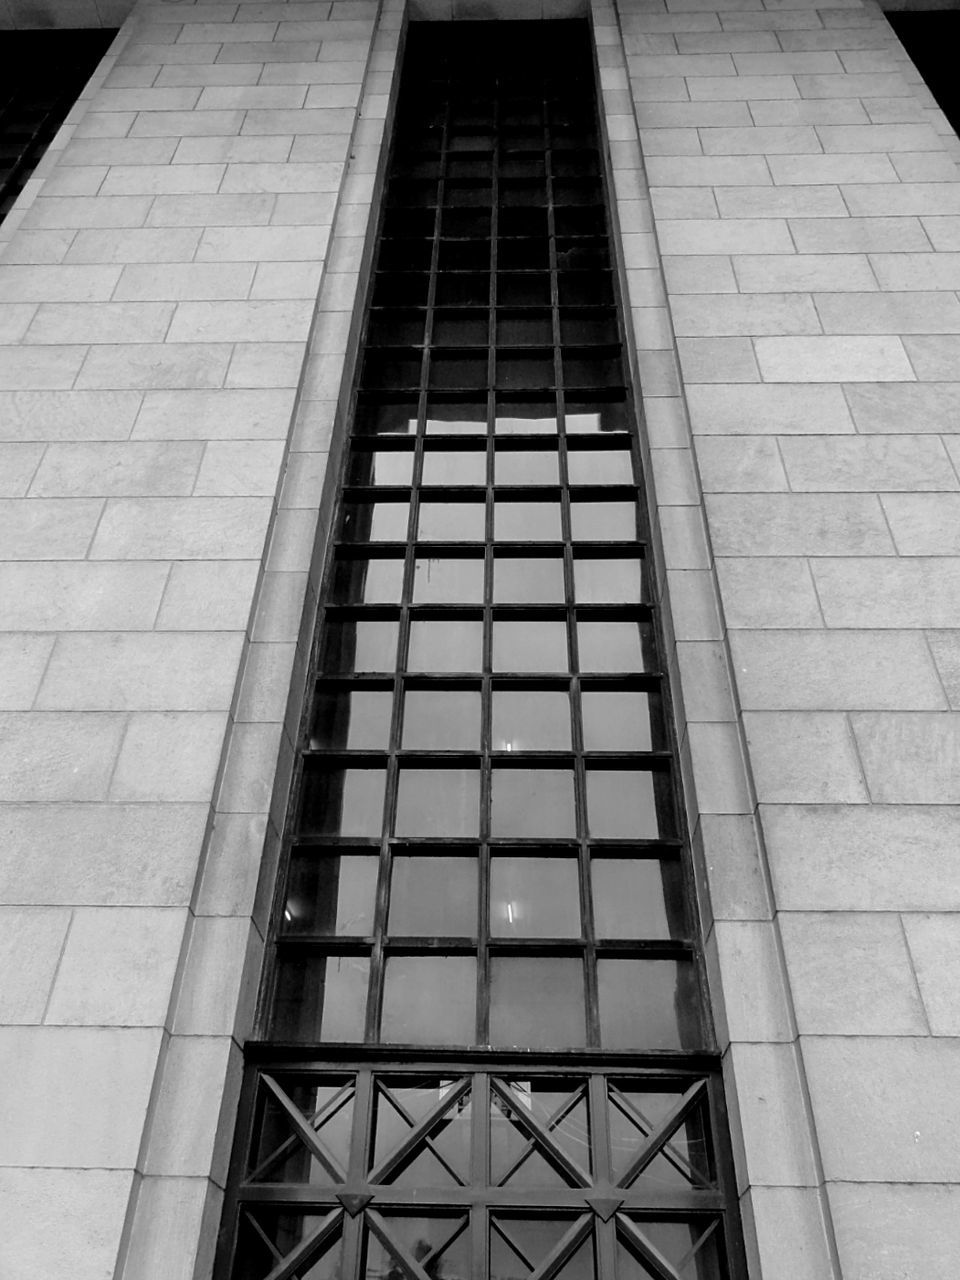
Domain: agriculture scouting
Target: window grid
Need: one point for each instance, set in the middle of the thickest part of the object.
(498, 892)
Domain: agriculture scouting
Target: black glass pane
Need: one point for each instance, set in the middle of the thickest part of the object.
(537, 1002)
(330, 895)
(433, 897)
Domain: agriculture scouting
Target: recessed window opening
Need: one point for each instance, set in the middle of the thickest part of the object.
(486, 1051)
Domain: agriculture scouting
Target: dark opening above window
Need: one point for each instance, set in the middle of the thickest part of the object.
(932, 39)
(41, 76)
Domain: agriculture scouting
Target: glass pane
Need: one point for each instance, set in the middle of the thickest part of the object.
(537, 1002)
(524, 328)
(346, 802)
(533, 802)
(433, 897)
(463, 329)
(321, 998)
(453, 581)
(438, 802)
(519, 1245)
(648, 1004)
(375, 521)
(456, 419)
(527, 521)
(603, 521)
(621, 804)
(459, 468)
(445, 646)
(452, 522)
(403, 1103)
(637, 898)
(525, 419)
(378, 418)
(615, 646)
(534, 898)
(279, 1153)
(380, 467)
(358, 581)
(559, 1105)
(352, 719)
(513, 466)
(529, 646)
(285, 1230)
(530, 720)
(608, 581)
(608, 416)
(599, 466)
(521, 581)
(440, 1245)
(429, 1000)
(359, 646)
(441, 720)
(330, 895)
(616, 721)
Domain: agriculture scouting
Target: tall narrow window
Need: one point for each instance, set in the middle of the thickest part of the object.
(486, 1053)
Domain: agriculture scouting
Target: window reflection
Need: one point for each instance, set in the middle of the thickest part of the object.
(438, 802)
(533, 802)
(621, 804)
(529, 646)
(321, 998)
(534, 898)
(429, 1000)
(438, 645)
(434, 896)
(441, 720)
(531, 720)
(536, 1002)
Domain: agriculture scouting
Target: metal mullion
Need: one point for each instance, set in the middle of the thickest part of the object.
(591, 994)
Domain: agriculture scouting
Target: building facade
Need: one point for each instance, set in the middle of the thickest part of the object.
(182, 291)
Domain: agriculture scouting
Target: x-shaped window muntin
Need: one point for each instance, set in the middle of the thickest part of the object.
(595, 1198)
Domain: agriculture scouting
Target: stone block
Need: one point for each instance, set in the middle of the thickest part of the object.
(894, 408)
(23, 660)
(248, 321)
(910, 757)
(850, 975)
(803, 272)
(174, 1223)
(169, 756)
(261, 244)
(879, 593)
(794, 111)
(37, 933)
(722, 360)
(149, 365)
(104, 469)
(792, 409)
(846, 236)
(209, 595)
(791, 1233)
(215, 415)
(232, 865)
(902, 199)
(837, 670)
(117, 967)
(755, 1007)
(719, 772)
(738, 464)
(220, 973)
(765, 1081)
(797, 524)
(145, 244)
(945, 648)
(707, 171)
(91, 1085)
(57, 756)
(760, 140)
(195, 280)
(240, 468)
(835, 359)
(869, 464)
(733, 865)
(741, 88)
(803, 757)
(193, 1080)
(924, 524)
(703, 314)
(934, 943)
(873, 858)
(874, 1123)
(47, 528)
(39, 368)
(708, 273)
(266, 365)
(780, 202)
(914, 271)
(135, 671)
(87, 212)
(915, 312)
(162, 179)
(79, 596)
(772, 591)
(886, 1230)
(62, 1220)
(92, 854)
(250, 769)
(725, 235)
(182, 529)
